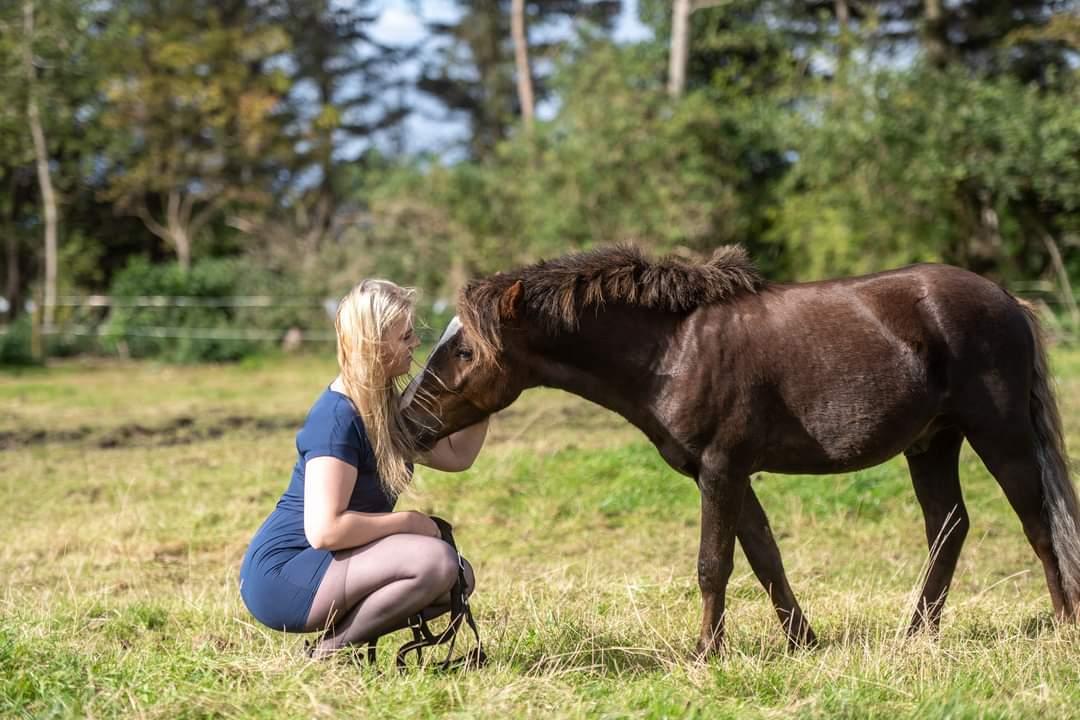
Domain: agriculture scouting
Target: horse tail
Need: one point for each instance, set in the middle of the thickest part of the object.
(1059, 495)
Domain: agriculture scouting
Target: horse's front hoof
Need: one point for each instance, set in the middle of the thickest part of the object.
(707, 650)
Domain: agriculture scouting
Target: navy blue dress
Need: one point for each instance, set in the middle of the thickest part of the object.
(281, 571)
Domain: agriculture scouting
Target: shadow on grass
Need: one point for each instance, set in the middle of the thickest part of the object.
(611, 656)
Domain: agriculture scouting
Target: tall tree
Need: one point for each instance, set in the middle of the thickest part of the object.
(521, 63)
(16, 158)
(471, 70)
(46, 105)
(41, 160)
(343, 111)
(680, 40)
(195, 112)
(345, 86)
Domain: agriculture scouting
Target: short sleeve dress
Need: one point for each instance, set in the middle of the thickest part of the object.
(281, 571)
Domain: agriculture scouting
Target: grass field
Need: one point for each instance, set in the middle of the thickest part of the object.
(131, 490)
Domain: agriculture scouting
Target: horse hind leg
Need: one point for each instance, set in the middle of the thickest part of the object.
(1011, 455)
(762, 553)
(934, 468)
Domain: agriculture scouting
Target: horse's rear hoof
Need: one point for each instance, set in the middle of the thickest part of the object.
(806, 640)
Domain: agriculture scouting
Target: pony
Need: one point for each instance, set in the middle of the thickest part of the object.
(728, 374)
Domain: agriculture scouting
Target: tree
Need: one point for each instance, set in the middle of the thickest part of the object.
(16, 157)
(680, 40)
(471, 70)
(194, 115)
(46, 106)
(41, 161)
(521, 63)
(340, 116)
(930, 165)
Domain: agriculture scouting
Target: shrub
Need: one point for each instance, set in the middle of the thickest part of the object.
(15, 344)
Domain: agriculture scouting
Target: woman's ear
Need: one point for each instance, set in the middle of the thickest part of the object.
(510, 302)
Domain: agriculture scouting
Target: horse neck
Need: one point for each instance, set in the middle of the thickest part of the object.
(611, 359)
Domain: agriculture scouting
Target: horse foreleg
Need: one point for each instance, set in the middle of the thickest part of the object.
(935, 474)
(721, 502)
(761, 551)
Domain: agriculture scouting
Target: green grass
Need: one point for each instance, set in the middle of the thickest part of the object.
(122, 529)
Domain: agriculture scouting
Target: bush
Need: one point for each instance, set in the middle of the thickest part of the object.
(178, 332)
(15, 344)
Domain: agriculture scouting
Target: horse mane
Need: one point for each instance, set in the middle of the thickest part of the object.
(556, 291)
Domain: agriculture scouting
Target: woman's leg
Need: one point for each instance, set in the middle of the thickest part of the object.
(442, 604)
(373, 589)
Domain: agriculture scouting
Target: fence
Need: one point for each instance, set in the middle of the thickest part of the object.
(89, 317)
(1062, 314)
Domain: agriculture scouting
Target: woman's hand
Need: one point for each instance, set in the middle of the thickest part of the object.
(457, 451)
(328, 522)
(421, 524)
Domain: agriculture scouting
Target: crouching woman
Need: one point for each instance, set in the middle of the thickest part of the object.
(333, 555)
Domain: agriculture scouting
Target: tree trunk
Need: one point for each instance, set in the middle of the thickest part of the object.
(843, 23)
(182, 243)
(680, 26)
(179, 228)
(934, 34)
(48, 197)
(14, 291)
(680, 40)
(521, 62)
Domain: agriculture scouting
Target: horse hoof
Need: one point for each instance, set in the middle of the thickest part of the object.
(806, 640)
(704, 652)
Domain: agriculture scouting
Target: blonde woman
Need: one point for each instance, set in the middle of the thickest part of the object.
(333, 555)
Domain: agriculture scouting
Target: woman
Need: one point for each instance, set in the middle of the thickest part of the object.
(333, 555)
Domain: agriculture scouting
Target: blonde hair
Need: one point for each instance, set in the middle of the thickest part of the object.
(363, 319)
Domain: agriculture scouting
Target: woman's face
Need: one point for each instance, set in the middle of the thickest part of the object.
(399, 343)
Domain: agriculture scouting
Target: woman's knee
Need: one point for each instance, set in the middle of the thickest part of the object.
(436, 563)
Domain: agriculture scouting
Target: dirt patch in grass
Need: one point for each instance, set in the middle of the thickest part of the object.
(180, 430)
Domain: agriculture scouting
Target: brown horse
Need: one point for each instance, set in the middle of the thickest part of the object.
(729, 375)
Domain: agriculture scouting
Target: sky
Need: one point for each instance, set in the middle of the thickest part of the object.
(402, 21)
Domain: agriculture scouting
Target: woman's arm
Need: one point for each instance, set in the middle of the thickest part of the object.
(456, 452)
(329, 525)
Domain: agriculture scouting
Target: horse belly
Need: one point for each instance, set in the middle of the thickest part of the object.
(842, 438)
(853, 420)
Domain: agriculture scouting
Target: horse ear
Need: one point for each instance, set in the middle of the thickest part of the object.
(510, 302)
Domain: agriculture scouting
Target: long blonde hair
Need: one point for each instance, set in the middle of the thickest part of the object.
(363, 319)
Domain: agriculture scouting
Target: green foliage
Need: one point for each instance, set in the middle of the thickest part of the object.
(473, 72)
(146, 331)
(277, 131)
(620, 162)
(895, 167)
(15, 344)
(193, 121)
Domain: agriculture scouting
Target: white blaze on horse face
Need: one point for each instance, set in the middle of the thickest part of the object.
(451, 331)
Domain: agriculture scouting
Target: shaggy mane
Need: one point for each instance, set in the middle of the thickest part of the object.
(555, 291)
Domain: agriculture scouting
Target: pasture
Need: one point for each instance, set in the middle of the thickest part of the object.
(131, 490)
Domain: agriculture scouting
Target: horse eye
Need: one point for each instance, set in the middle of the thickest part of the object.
(463, 354)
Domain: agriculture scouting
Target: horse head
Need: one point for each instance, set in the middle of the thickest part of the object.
(470, 374)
